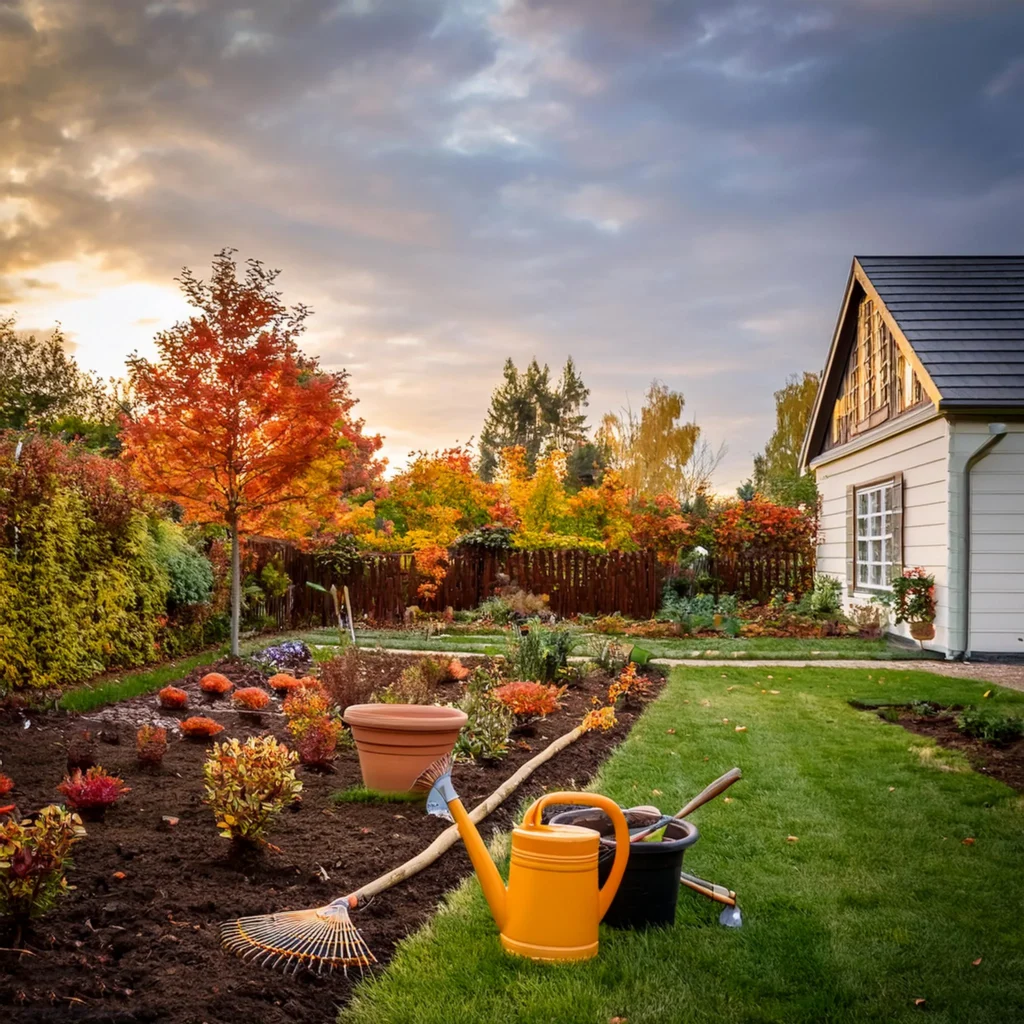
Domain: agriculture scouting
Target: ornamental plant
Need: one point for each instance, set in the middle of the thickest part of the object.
(913, 596)
(316, 739)
(629, 687)
(484, 737)
(6, 784)
(150, 744)
(528, 700)
(600, 718)
(216, 684)
(172, 698)
(199, 728)
(35, 855)
(282, 682)
(92, 792)
(248, 784)
(252, 698)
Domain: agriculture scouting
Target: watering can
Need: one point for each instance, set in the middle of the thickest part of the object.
(553, 903)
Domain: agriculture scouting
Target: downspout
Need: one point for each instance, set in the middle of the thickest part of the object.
(997, 432)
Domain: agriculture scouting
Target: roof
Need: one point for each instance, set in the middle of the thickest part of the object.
(964, 318)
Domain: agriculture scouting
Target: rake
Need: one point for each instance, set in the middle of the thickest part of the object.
(324, 938)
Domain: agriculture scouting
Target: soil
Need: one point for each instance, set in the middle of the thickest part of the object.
(1003, 763)
(137, 939)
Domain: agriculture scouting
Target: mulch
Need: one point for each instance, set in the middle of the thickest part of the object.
(145, 947)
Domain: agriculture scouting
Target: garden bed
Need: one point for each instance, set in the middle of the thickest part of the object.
(145, 947)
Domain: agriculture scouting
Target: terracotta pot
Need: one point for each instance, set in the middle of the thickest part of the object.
(396, 742)
(922, 630)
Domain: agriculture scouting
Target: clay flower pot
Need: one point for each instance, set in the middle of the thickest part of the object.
(922, 631)
(396, 742)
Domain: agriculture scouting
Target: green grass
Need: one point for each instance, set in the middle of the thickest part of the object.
(362, 795)
(876, 904)
(782, 647)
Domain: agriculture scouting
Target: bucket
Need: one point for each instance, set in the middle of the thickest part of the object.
(647, 896)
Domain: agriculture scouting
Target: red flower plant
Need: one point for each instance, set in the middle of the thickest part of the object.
(6, 784)
(527, 700)
(284, 683)
(252, 698)
(150, 744)
(172, 697)
(214, 682)
(93, 791)
(199, 728)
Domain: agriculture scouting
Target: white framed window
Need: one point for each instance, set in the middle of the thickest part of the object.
(874, 538)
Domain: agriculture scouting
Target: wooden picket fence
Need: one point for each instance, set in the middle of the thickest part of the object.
(576, 582)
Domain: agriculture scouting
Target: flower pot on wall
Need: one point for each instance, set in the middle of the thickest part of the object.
(922, 631)
(397, 742)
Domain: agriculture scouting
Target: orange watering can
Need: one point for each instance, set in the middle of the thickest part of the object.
(553, 903)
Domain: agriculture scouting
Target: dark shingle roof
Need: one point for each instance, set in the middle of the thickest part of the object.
(964, 317)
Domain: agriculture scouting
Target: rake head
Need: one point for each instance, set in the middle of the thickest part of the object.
(318, 940)
(437, 781)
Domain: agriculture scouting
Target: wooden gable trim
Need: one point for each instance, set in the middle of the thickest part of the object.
(906, 349)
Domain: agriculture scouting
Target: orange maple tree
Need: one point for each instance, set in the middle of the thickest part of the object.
(237, 425)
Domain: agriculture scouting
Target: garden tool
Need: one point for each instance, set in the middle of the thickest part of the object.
(553, 904)
(731, 916)
(720, 785)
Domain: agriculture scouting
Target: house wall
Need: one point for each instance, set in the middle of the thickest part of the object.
(921, 453)
(997, 539)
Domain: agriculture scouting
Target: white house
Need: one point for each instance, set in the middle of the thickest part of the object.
(917, 442)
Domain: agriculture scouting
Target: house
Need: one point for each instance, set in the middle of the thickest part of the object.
(916, 440)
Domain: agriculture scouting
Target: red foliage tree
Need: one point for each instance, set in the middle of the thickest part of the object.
(236, 424)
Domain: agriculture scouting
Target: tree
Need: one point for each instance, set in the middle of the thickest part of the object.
(777, 469)
(651, 449)
(700, 468)
(528, 412)
(235, 423)
(40, 383)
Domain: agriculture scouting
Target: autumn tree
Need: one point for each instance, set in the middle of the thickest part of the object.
(651, 448)
(234, 423)
(531, 412)
(777, 469)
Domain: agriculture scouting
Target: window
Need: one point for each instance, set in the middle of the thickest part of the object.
(875, 549)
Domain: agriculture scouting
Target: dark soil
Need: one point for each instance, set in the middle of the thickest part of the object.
(145, 947)
(1003, 763)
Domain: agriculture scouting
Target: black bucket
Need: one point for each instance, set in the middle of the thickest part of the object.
(650, 885)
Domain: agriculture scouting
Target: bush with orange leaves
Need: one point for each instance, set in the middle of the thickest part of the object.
(171, 697)
(284, 683)
(199, 728)
(457, 671)
(629, 687)
(529, 700)
(314, 723)
(252, 698)
(150, 744)
(600, 718)
(215, 683)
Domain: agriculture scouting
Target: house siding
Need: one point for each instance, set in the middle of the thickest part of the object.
(997, 538)
(922, 455)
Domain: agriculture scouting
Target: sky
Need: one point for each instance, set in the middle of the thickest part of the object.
(667, 189)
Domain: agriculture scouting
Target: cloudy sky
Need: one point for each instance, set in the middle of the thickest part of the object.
(662, 188)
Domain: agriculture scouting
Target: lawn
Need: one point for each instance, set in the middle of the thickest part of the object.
(876, 903)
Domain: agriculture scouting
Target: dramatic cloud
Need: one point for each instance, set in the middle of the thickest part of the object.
(660, 188)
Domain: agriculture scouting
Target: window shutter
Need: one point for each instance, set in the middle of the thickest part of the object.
(851, 540)
(896, 503)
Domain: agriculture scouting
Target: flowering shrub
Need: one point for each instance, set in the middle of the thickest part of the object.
(629, 687)
(199, 728)
(6, 784)
(290, 654)
(171, 697)
(92, 792)
(316, 739)
(252, 698)
(282, 682)
(528, 700)
(247, 784)
(34, 858)
(215, 683)
(150, 744)
(600, 718)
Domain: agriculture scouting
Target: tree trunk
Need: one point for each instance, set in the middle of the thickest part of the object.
(236, 587)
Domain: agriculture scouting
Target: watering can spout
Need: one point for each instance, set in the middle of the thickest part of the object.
(444, 802)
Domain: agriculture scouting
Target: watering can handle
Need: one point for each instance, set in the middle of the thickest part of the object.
(534, 816)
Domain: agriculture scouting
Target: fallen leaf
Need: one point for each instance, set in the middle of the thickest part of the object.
(919, 1002)
(764, 691)
(729, 689)
(892, 789)
(119, 875)
(975, 963)
(792, 839)
(776, 692)
(741, 728)
(655, 792)
(987, 693)
(670, 732)
(969, 841)
(366, 831)
(727, 800)
(725, 721)
(618, 1020)
(771, 677)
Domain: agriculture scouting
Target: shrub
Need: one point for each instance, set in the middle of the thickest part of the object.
(496, 610)
(6, 784)
(316, 739)
(528, 700)
(924, 709)
(629, 687)
(541, 653)
(252, 698)
(347, 677)
(199, 728)
(484, 737)
(150, 744)
(610, 624)
(92, 792)
(415, 685)
(81, 751)
(600, 718)
(215, 683)
(868, 620)
(283, 682)
(247, 784)
(189, 573)
(171, 697)
(826, 597)
(35, 856)
(457, 671)
(991, 725)
(306, 704)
